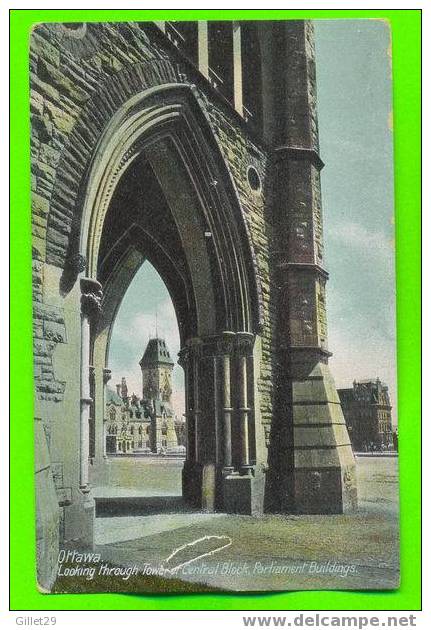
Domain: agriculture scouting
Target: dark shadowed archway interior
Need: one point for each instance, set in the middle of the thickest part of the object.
(138, 341)
(164, 215)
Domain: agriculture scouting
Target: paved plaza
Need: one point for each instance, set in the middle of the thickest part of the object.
(142, 523)
(147, 528)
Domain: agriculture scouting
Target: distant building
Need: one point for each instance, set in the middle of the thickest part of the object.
(367, 411)
(180, 429)
(135, 425)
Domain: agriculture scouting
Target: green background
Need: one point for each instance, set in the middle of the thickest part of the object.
(406, 37)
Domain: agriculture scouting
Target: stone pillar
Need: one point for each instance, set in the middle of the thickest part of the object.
(243, 485)
(195, 354)
(92, 416)
(203, 59)
(219, 387)
(225, 350)
(91, 296)
(98, 412)
(244, 350)
(237, 68)
(184, 361)
(313, 464)
(192, 471)
(106, 374)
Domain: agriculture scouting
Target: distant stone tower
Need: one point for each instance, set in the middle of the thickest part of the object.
(157, 367)
(124, 389)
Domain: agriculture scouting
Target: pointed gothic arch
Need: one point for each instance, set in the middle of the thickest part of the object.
(212, 279)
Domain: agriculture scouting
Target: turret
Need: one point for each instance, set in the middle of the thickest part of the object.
(124, 389)
(157, 366)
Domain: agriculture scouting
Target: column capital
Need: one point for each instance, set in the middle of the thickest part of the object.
(107, 374)
(244, 342)
(91, 297)
(183, 356)
(225, 342)
(219, 344)
(194, 347)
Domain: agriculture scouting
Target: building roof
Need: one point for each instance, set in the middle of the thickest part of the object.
(371, 382)
(112, 397)
(156, 352)
(372, 391)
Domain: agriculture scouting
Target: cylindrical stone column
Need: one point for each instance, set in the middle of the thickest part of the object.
(196, 350)
(106, 378)
(244, 349)
(184, 360)
(91, 296)
(225, 349)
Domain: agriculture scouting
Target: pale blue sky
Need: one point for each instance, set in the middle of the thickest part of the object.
(354, 101)
(355, 113)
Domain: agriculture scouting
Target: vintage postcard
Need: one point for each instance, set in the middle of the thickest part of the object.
(214, 306)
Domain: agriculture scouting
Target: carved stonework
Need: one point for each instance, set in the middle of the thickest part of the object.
(107, 374)
(77, 263)
(183, 357)
(244, 343)
(322, 327)
(91, 297)
(225, 343)
(317, 216)
(195, 347)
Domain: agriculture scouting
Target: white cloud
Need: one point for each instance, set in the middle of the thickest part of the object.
(375, 245)
(361, 306)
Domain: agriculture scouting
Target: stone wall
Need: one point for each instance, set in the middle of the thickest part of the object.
(241, 152)
(79, 76)
(47, 512)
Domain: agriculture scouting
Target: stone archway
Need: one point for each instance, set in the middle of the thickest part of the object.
(208, 268)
